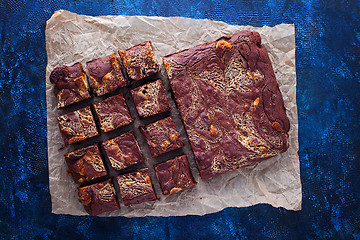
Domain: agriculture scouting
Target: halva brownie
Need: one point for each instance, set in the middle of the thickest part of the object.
(162, 136)
(113, 113)
(105, 74)
(150, 99)
(98, 198)
(77, 126)
(70, 85)
(174, 175)
(136, 187)
(123, 151)
(230, 102)
(139, 61)
(85, 164)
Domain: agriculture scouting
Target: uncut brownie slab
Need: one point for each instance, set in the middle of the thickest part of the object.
(136, 187)
(123, 151)
(70, 85)
(77, 126)
(85, 164)
(98, 198)
(139, 61)
(174, 175)
(150, 99)
(113, 113)
(162, 136)
(105, 74)
(229, 101)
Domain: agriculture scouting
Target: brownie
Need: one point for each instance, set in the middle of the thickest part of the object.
(229, 101)
(150, 99)
(136, 187)
(70, 85)
(123, 151)
(85, 164)
(98, 198)
(113, 113)
(162, 136)
(77, 126)
(174, 175)
(105, 74)
(139, 61)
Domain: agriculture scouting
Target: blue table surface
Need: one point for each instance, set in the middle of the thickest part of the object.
(327, 64)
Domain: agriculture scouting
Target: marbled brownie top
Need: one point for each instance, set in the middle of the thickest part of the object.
(70, 85)
(105, 74)
(113, 113)
(77, 126)
(98, 198)
(229, 101)
(139, 61)
(85, 164)
(123, 151)
(162, 136)
(136, 187)
(150, 99)
(174, 175)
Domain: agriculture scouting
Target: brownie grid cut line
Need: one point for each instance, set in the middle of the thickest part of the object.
(98, 198)
(70, 85)
(162, 136)
(136, 187)
(105, 74)
(139, 61)
(230, 102)
(150, 99)
(85, 164)
(113, 113)
(174, 175)
(77, 126)
(123, 151)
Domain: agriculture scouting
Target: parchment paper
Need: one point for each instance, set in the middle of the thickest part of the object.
(71, 38)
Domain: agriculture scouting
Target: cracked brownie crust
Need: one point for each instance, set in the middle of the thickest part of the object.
(230, 102)
(70, 85)
(77, 126)
(85, 164)
(105, 74)
(174, 175)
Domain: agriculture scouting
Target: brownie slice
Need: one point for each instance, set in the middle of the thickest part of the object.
(123, 151)
(230, 102)
(70, 85)
(136, 187)
(150, 99)
(139, 61)
(105, 74)
(162, 136)
(98, 198)
(174, 175)
(113, 113)
(85, 164)
(77, 126)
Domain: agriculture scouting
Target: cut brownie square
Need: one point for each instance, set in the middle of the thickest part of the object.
(162, 136)
(77, 126)
(113, 113)
(123, 151)
(98, 198)
(136, 187)
(174, 175)
(230, 102)
(105, 74)
(150, 99)
(70, 84)
(139, 61)
(85, 164)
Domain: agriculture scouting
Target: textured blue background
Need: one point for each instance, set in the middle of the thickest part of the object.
(328, 64)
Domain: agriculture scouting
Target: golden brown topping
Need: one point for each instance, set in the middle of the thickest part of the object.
(277, 126)
(173, 137)
(213, 131)
(256, 102)
(174, 190)
(223, 44)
